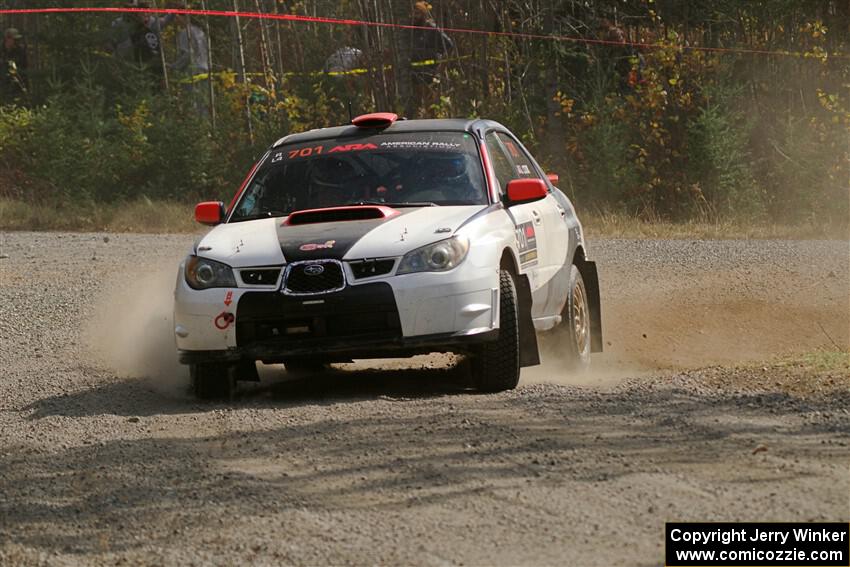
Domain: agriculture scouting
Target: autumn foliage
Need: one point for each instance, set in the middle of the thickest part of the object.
(660, 109)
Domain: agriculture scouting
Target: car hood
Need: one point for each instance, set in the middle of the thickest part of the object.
(269, 242)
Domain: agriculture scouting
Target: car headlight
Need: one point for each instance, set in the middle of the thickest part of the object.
(204, 274)
(438, 257)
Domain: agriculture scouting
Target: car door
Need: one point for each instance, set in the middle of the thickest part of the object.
(527, 217)
(554, 283)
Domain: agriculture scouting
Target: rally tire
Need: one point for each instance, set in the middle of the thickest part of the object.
(212, 381)
(569, 342)
(495, 367)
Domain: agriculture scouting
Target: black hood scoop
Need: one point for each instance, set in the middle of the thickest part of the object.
(339, 214)
(329, 233)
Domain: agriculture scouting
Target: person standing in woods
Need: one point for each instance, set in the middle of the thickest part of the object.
(621, 53)
(343, 60)
(145, 33)
(428, 42)
(119, 42)
(14, 72)
(193, 60)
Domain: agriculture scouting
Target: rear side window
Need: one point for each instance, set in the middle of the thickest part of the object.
(509, 160)
(501, 163)
(522, 166)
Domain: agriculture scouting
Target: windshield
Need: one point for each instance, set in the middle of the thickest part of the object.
(411, 169)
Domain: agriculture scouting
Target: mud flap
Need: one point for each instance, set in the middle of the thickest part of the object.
(591, 282)
(529, 355)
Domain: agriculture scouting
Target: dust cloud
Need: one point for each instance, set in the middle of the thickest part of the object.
(664, 322)
(132, 331)
(654, 321)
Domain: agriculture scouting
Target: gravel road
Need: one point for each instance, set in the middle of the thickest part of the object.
(105, 458)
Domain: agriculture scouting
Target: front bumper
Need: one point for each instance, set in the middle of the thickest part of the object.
(382, 317)
(344, 350)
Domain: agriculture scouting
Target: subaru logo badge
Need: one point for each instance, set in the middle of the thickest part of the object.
(314, 270)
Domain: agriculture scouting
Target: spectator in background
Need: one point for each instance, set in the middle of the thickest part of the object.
(428, 46)
(193, 57)
(343, 59)
(193, 62)
(144, 32)
(621, 54)
(120, 44)
(339, 79)
(428, 41)
(612, 33)
(15, 67)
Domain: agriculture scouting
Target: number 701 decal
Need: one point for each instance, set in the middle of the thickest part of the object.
(306, 152)
(318, 150)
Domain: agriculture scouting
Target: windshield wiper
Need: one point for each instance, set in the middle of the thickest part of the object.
(413, 204)
(263, 215)
(401, 204)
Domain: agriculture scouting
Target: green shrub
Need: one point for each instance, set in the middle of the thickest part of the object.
(607, 172)
(85, 148)
(807, 171)
(720, 160)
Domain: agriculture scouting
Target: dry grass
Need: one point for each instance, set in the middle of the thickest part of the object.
(146, 216)
(822, 373)
(142, 215)
(821, 361)
(619, 225)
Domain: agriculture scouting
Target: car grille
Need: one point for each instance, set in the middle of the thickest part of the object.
(262, 276)
(313, 277)
(371, 268)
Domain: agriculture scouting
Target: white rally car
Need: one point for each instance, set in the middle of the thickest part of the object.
(388, 238)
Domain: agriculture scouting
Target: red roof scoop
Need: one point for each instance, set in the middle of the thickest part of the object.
(375, 120)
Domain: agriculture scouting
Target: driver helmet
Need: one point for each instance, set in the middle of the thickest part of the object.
(447, 173)
(332, 174)
(446, 168)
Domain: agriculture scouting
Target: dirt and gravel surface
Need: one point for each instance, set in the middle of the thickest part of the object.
(105, 458)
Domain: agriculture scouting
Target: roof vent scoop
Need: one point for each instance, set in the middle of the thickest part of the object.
(375, 120)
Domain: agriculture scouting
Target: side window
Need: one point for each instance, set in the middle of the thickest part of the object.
(501, 164)
(522, 166)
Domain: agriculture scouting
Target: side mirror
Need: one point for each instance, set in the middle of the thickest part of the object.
(526, 191)
(209, 212)
(553, 178)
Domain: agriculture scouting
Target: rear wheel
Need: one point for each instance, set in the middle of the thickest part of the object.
(569, 342)
(495, 367)
(212, 381)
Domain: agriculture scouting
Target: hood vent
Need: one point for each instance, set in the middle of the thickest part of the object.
(339, 214)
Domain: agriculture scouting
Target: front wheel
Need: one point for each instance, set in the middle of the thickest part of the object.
(304, 365)
(495, 367)
(212, 381)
